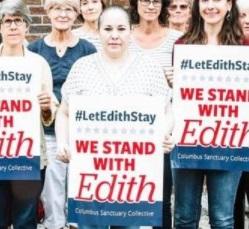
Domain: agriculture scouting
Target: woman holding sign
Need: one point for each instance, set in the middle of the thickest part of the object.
(212, 23)
(21, 196)
(114, 71)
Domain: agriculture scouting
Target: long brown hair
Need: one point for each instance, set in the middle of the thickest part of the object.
(230, 33)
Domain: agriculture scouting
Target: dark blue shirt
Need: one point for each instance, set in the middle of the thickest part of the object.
(60, 66)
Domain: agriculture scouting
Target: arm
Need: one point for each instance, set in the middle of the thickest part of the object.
(61, 132)
(168, 143)
(47, 100)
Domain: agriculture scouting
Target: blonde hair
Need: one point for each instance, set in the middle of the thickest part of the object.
(74, 3)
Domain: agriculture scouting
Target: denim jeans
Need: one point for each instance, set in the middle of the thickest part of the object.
(239, 207)
(167, 191)
(221, 188)
(111, 227)
(19, 203)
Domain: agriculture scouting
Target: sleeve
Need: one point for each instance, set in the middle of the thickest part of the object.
(158, 83)
(73, 80)
(47, 85)
(89, 48)
(33, 47)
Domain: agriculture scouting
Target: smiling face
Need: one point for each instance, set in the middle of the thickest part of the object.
(179, 11)
(13, 30)
(62, 16)
(149, 10)
(91, 10)
(244, 20)
(114, 32)
(214, 12)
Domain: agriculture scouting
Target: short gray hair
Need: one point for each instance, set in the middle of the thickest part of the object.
(242, 4)
(15, 7)
(51, 3)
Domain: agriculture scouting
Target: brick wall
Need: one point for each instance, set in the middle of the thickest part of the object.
(40, 22)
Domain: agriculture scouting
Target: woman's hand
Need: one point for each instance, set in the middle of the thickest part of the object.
(45, 101)
(168, 144)
(63, 153)
(169, 75)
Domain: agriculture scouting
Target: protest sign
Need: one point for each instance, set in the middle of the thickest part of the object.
(116, 170)
(19, 119)
(211, 98)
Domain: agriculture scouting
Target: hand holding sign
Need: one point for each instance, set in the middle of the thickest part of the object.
(45, 101)
(169, 75)
(63, 153)
(168, 144)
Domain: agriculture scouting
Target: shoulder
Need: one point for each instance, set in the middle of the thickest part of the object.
(37, 58)
(85, 62)
(179, 42)
(173, 35)
(79, 32)
(86, 45)
(36, 45)
(147, 64)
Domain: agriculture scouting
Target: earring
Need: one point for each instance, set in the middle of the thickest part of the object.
(228, 16)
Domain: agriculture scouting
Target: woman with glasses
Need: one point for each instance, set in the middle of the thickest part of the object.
(90, 11)
(179, 14)
(113, 71)
(151, 37)
(61, 48)
(19, 198)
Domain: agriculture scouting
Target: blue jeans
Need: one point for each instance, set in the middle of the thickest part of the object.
(167, 191)
(221, 188)
(106, 227)
(19, 203)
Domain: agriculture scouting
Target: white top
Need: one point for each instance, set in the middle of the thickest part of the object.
(90, 76)
(162, 54)
(92, 38)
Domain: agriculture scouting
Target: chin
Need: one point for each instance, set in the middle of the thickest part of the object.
(115, 54)
(15, 43)
(62, 28)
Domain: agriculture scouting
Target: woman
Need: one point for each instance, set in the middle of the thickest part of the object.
(179, 14)
(151, 37)
(243, 6)
(243, 189)
(90, 11)
(61, 48)
(113, 71)
(212, 23)
(18, 196)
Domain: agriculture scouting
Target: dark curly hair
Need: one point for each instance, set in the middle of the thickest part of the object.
(230, 34)
(162, 19)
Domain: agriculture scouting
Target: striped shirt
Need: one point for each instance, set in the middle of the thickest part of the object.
(79, 32)
(161, 54)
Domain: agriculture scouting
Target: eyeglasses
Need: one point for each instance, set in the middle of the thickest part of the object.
(174, 7)
(8, 22)
(67, 11)
(156, 3)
